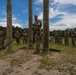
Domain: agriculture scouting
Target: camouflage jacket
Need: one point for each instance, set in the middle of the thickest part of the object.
(37, 25)
(17, 34)
(73, 34)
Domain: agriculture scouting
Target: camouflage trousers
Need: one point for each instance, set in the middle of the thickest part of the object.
(37, 40)
(59, 40)
(66, 41)
(73, 41)
(1, 41)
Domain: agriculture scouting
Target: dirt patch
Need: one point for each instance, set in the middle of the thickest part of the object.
(24, 62)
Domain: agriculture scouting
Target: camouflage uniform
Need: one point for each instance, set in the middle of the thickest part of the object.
(66, 35)
(1, 38)
(37, 35)
(17, 36)
(25, 37)
(59, 39)
(73, 35)
(56, 37)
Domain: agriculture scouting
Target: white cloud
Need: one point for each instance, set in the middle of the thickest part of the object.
(37, 2)
(52, 13)
(3, 12)
(17, 24)
(58, 1)
(40, 16)
(14, 18)
(56, 27)
(2, 19)
(68, 21)
(65, 1)
(3, 22)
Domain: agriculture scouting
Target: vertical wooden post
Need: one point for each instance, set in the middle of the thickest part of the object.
(9, 24)
(46, 25)
(30, 38)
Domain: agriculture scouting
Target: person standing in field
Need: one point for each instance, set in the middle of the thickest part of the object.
(17, 36)
(2, 38)
(37, 31)
(25, 37)
(73, 36)
(66, 37)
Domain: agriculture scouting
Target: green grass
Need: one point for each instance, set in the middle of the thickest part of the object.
(67, 54)
(15, 48)
(69, 50)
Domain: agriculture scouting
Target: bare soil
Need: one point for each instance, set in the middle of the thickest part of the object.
(24, 62)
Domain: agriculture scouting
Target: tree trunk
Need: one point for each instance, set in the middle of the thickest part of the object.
(46, 25)
(30, 38)
(9, 24)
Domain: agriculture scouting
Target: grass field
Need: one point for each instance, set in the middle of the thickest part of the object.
(66, 49)
(60, 60)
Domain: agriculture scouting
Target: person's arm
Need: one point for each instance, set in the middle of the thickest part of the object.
(16, 35)
(38, 24)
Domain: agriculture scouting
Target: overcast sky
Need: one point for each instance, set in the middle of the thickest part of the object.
(62, 13)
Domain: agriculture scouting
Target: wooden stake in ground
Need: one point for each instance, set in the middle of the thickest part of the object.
(46, 25)
(30, 33)
(9, 24)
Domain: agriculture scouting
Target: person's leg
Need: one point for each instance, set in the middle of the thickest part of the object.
(37, 41)
(2, 41)
(65, 41)
(17, 41)
(74, 42)
(38, 46)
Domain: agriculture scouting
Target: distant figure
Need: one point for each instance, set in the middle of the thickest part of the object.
(2, 38)
(25, 37)
(36, 30)
(59, 37)
(17, 36)
(66, 37)
(56, 36)
(73, 35)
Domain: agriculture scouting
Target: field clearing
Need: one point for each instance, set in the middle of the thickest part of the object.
(60, 60)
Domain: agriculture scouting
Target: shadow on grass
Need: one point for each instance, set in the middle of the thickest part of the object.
(54, 50)
(2, 48)
(23, 48)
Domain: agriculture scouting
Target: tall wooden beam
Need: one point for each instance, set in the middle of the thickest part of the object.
(45, 25)
(30, 38)
(9, 24)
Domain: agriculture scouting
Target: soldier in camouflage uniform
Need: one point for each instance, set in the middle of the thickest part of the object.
(56, 36)
(73, 35)
(17, 36)
(59, 39)
(1, 38)
(37, 29)
(25, 37)
(66, 37)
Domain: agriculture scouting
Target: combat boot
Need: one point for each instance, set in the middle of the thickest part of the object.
(37, 52)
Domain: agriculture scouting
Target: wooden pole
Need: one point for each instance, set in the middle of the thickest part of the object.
(30, 38)
(46, 25)
(9, 24)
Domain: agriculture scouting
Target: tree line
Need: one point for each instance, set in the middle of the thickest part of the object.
(14, 29)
